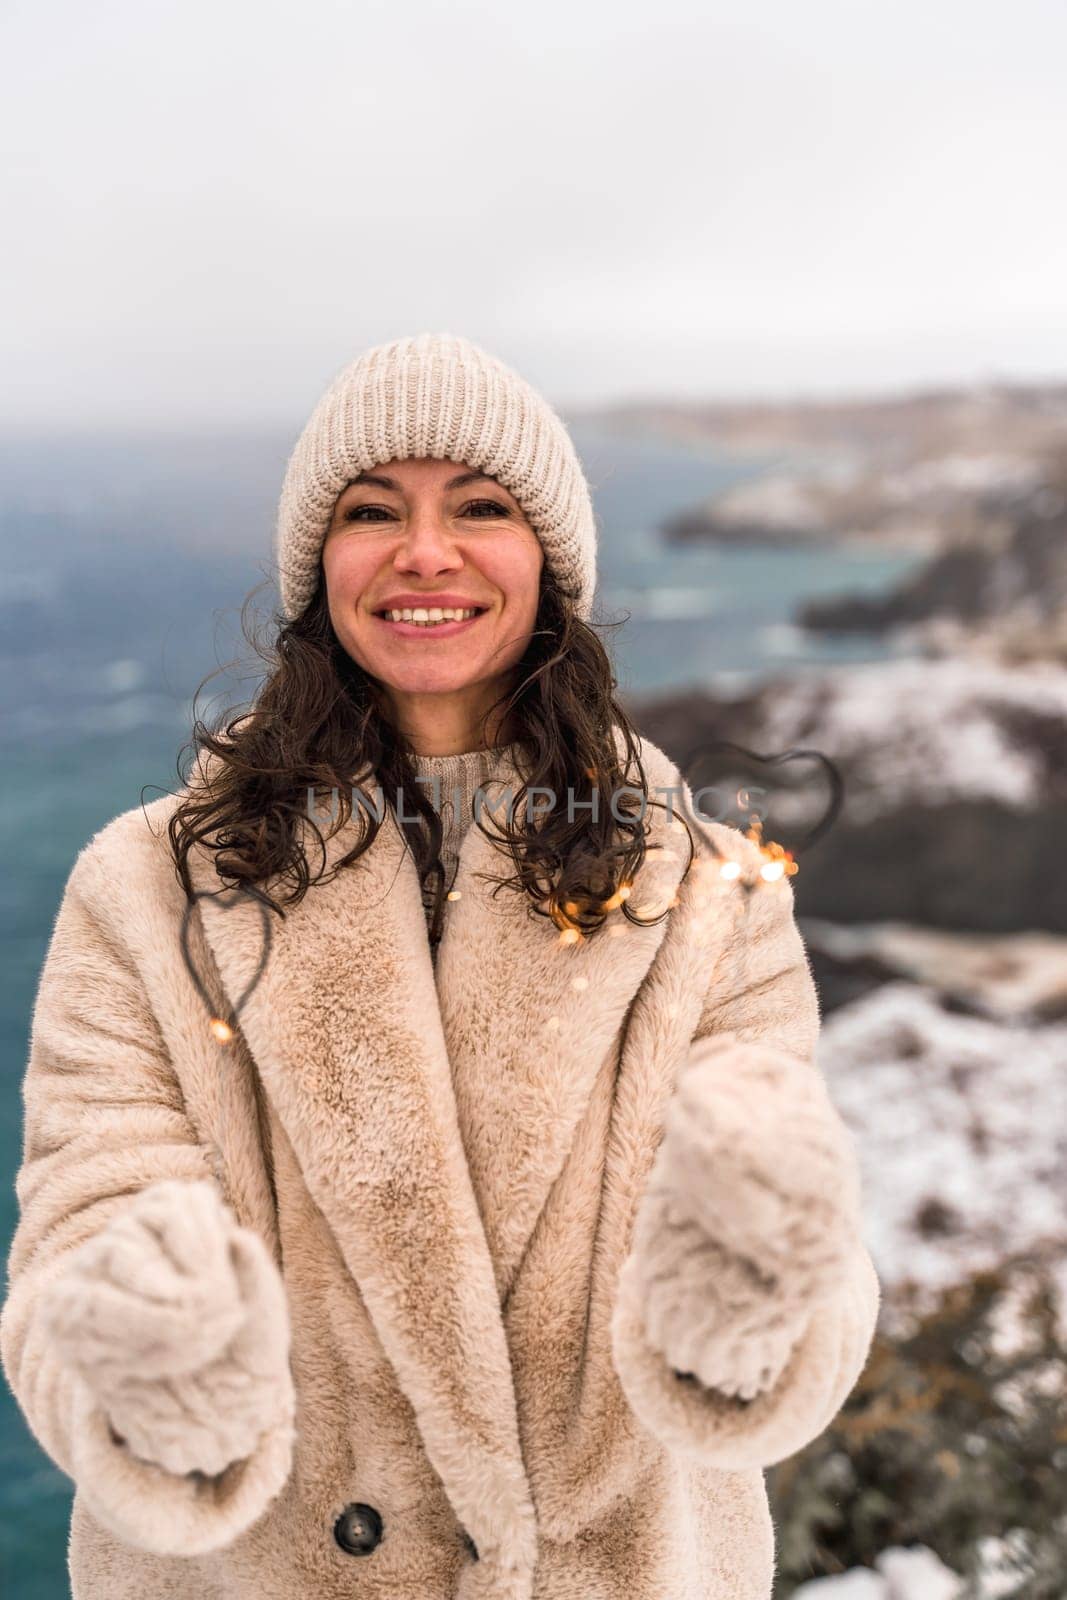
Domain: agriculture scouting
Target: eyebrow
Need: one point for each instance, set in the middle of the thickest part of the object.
(390, 483)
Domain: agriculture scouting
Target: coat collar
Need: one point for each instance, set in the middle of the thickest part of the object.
(431, 1112)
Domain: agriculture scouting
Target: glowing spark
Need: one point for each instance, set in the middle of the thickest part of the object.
(454, 894)
(569, 936)
(779, 861)
(222, 1030)
(730, 869)
(579, 983)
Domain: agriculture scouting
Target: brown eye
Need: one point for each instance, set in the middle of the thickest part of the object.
(493, 509)
(352, 514)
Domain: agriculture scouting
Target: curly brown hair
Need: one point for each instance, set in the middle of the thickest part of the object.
(319, 721)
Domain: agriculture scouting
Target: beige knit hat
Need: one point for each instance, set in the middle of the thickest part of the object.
(436, 395)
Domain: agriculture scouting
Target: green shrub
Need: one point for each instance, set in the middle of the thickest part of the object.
(955, 1434)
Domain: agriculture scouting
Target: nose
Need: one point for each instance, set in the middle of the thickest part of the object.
(427, 547)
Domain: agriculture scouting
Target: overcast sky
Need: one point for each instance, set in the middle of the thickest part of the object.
(212, 206)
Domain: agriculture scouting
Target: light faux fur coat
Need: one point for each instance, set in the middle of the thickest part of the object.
(446, 1166)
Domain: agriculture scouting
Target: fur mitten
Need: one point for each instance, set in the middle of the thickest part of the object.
(176, 1317)
(752, 1214)
(707, 1311)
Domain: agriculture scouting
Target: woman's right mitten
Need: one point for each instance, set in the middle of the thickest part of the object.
(176, 1317)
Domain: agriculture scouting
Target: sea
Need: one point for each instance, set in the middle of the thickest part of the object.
(126, 561)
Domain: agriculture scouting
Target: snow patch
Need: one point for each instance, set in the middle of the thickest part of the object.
(961, 1130)
(924, 731)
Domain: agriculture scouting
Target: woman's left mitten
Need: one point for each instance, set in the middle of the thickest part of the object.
(756, 1154)
(708, 1312)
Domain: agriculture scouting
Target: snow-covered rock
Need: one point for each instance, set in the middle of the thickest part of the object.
(1019, 977)
(961, 1128)
(924, 500)
(921, 732)
(913, 1573)
(916, 1574)
(960, 474)
(782, 501)
(860, 1583)
(902, 1574)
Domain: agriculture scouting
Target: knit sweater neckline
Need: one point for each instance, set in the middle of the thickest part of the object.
(450, 784)
(464, 760)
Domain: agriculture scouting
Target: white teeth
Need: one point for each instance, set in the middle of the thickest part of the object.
(429, 617)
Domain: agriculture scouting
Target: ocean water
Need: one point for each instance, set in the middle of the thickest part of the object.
(125, 562)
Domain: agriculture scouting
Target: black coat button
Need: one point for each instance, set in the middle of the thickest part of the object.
(471, 1547)
(358, 1530)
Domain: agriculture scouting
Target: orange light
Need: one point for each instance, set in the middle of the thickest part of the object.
(780, 860)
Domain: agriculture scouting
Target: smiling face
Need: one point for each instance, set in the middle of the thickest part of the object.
(413, 538)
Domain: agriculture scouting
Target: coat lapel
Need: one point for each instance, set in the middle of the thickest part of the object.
(346, 1032)
(431, 1114)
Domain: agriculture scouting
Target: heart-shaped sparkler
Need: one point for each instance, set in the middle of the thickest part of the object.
(836, 784)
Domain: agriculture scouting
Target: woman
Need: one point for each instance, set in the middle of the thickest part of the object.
(489, 1229)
